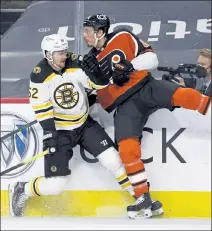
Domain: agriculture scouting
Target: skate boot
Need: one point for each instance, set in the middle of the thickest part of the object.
(156, 208)
(141, 208)
(17, 199)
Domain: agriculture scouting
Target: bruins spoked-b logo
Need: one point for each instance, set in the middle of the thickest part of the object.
(66, 96)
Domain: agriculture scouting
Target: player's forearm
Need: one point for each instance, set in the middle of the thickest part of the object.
(146, 61)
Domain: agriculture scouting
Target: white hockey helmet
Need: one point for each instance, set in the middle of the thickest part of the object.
(54, 42)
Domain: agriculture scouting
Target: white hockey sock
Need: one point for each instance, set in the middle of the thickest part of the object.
(45, 186)
(111, 160)
(123, 179)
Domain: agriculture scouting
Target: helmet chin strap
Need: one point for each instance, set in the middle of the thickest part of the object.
(97, 39)
(51, 60)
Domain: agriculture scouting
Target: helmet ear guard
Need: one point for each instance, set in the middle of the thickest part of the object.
(50, 58)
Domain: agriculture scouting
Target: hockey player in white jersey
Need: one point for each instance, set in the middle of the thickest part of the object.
(60, 103)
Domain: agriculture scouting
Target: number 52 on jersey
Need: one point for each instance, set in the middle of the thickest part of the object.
(33, 93)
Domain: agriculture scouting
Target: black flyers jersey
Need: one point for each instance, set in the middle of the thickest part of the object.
(121, 44)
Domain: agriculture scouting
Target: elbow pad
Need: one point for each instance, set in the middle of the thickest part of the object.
(146, 61)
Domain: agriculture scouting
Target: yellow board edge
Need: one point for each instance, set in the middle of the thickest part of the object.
(176, 204)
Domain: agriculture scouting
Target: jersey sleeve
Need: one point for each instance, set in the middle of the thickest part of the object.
(39, 95)
(89, 83)
(123, 44)
(144, 47)
(92, 97)
(83, 78)
(138, 45)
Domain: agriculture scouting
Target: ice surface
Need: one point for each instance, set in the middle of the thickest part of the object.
(67, 223)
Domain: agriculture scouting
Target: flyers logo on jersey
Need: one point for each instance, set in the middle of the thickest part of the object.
(107, 63)
(116, 59)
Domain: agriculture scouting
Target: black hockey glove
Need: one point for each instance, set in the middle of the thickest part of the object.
(91, 67)
(50, 141)
(121, 72)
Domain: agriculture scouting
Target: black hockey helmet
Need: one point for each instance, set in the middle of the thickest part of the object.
(98, 21)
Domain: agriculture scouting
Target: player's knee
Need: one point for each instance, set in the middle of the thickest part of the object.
(130, 150)
(55, 185)
(110, 159)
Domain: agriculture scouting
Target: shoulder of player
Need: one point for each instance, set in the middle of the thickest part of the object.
(120, 33)
(72, 62)
(41, 72)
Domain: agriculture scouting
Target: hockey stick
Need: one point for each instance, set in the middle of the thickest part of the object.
(25, 162)
(18, 130)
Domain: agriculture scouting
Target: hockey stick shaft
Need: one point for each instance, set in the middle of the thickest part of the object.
(25, 162)
(18, 130)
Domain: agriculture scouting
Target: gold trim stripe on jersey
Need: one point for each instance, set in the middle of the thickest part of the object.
(69, 70)
(45, 115)
(43, 111)
(42, 106)
(70, 123)
(70, 117)
(94, 86)
(50, 77)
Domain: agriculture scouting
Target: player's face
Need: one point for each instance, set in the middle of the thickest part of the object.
(59, 58)
(88, 36)
(204, 62)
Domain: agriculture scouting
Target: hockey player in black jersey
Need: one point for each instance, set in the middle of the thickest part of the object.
(59, 100)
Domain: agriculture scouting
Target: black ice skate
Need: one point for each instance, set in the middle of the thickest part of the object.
(141, 208)
(17, 199)
(156, 208)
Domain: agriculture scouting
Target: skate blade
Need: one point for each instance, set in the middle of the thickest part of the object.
(143, 214)
(10, 195)
(157, 212)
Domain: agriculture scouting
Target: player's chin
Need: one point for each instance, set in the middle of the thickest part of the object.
(62, 65)
(89, 44)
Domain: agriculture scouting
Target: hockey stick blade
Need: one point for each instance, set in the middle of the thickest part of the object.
(25, 162)
(18, 130)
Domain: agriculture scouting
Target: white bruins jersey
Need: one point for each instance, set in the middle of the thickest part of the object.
(59, 100)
